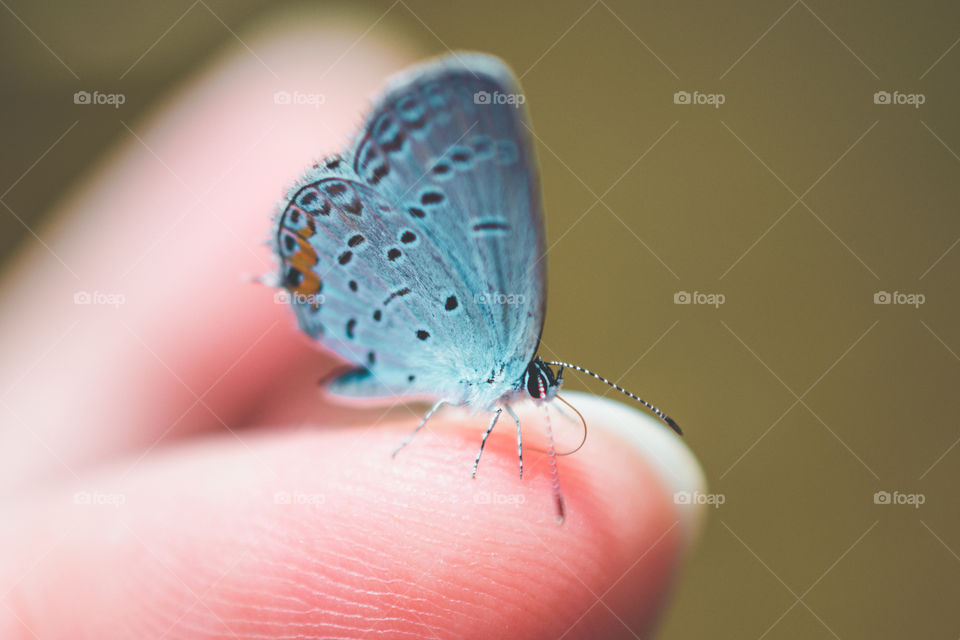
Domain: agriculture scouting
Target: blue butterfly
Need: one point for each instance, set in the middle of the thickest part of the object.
(418, 254)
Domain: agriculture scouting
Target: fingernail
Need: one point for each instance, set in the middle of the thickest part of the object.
(668, 455)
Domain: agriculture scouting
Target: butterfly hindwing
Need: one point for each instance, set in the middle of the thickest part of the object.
(418, 256)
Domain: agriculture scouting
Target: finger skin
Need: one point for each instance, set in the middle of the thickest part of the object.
(316, 533)
(176, 220)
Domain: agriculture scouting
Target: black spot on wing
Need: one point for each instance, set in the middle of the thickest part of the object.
(335, 188)
(396, 294)
(491, 225)
(293, 278)
(432, 197)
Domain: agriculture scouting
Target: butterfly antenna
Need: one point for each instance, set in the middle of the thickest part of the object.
(660, 414)
(582, 421)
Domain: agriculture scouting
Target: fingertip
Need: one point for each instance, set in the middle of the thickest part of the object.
(664, 452)
(319, 526)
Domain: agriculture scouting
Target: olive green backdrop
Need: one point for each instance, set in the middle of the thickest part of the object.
(795, 202)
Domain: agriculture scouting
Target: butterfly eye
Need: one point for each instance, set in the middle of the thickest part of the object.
(534, 382)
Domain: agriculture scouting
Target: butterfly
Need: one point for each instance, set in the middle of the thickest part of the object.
(418, 254)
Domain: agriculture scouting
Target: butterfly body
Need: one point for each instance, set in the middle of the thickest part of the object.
(418, 253)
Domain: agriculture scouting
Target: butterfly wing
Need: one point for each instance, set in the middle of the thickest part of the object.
(423, 246)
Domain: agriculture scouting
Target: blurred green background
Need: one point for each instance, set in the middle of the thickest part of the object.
(797, 200)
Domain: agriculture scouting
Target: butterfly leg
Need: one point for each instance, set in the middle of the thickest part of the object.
(493, 423)
(426, 417)
(557, 493)
(519, 439)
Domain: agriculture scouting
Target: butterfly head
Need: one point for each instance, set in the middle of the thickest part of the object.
(540, 381)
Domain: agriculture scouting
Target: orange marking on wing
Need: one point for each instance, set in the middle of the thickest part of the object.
(309, 285)
(304, 259)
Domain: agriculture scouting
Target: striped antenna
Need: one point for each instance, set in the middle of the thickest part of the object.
(660, 414)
